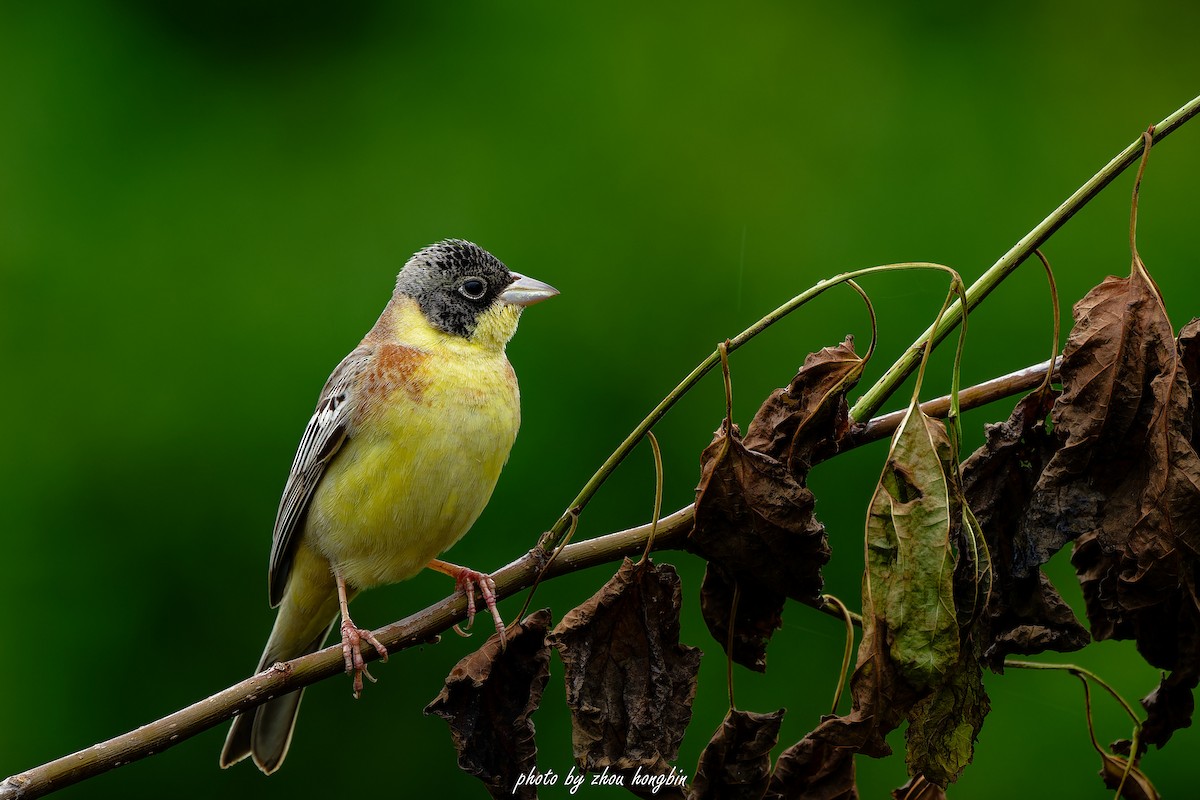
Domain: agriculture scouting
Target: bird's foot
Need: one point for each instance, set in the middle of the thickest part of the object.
(352, 640)
(466, 580)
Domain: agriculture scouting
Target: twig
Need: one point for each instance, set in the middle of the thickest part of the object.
(972, 397)
(282, 678)
(420, 627)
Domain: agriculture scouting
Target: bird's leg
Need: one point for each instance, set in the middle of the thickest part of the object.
(465, 580)
(352, 639)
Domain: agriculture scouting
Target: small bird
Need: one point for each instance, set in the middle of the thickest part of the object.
(398, 461)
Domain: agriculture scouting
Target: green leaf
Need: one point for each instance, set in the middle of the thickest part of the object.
(942, 727)
(914, 516)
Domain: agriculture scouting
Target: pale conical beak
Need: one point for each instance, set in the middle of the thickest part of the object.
(527, 291)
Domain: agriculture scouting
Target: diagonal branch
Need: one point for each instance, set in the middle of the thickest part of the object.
(423, 626)
(875, 397)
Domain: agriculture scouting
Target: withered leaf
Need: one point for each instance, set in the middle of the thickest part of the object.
(805, 423)
(1126, 483)
(736, 764)
(814, 769)
(1134, 786)
(943, 726)
(1169, 707)
(1188, 345)
(756, 520)
(488, 699)
(1030, 617)
(1025, 613)
(973, 572)
(1120, 419)
(919, 789)
(1099, 420)
(759, 614)
(754, 515)
(915, 515)
(629, 681)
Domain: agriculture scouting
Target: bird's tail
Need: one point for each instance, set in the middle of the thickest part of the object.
(266, 732)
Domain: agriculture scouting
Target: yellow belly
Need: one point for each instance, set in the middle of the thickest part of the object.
(416, 471)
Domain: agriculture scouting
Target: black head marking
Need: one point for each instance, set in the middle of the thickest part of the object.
(454, 281)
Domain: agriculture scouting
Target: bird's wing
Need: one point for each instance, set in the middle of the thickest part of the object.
(324, 436)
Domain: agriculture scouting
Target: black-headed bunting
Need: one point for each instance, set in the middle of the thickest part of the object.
(402, 454)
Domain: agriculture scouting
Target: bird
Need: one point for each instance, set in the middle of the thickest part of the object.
(405, 447)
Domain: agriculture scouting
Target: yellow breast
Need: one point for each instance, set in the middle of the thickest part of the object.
(434, 426)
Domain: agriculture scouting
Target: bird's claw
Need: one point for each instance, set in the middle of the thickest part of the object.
(465, 581)
(352, 639)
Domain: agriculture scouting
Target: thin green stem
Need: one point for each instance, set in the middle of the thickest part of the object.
(874, 320)
(927, 350)
(1080, 672)
(658, 494)
(729, 639)
(874, 398)
(848, 653)
(1057, 320)
(551, 537)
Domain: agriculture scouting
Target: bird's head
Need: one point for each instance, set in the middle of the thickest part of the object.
(465, 291)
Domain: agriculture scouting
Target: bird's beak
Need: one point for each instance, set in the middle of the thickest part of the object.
(527, 291)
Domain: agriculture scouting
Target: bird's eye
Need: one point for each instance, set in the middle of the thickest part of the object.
(472, 288)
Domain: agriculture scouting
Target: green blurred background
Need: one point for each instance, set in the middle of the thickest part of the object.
(203, 206)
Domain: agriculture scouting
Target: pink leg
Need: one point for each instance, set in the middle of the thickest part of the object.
(352, 639)
(465, 580)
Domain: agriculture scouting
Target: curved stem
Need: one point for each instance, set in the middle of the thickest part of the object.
(658, 494)
(1081, 672)
(1057, 319)
(848, 653)
(551, 537)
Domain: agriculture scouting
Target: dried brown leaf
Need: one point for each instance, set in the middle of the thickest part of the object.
(754, 515)
(756, 520)
(1169, 707)
(1188, 344)
(1108, 365)
(1124, 485)
(759, 614)
(805, 423)
(630, 683)
(736, 764)
(1137, 553)
(814, 768)
(488, 699)
(1025, 613)
(1134, 785)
